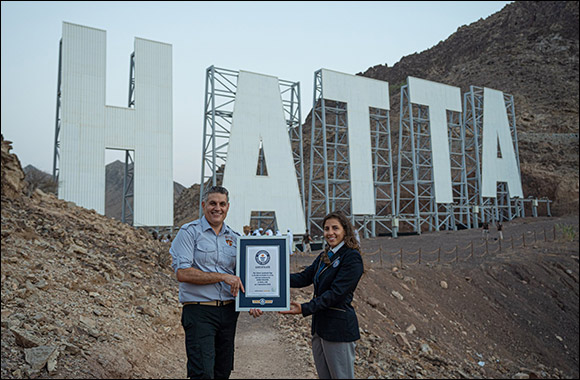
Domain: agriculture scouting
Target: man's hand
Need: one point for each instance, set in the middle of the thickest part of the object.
(295, 308)
(256, 312)
(235, 284)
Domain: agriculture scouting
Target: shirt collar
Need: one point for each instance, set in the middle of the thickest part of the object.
(206, 226)
(335, 249)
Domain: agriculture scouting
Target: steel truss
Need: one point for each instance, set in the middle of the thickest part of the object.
(329, 180)
(220, 95)
(129, 171)
(502, 207)
(416, 205)
(56, 156)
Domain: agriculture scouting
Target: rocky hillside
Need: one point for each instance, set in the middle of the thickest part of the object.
(529, 50)
(83, 295)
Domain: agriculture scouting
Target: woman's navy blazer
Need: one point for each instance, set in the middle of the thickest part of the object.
(333, 317)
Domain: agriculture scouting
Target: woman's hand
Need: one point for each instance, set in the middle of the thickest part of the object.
(255, 312)
(295, 308)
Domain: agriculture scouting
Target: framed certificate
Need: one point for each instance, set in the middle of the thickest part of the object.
(263, 265)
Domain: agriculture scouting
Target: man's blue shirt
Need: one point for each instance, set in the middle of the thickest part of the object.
(196, 245)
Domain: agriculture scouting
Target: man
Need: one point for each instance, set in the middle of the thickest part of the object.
(306, 239)
(485, 230)
(204, 259)
(290, 241)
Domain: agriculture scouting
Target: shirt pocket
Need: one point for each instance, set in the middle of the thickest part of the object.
(230, 254)
(205, 254)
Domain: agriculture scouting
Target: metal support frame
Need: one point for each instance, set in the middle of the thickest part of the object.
(220, 95)
(329, 185)
(129, 171)
(132, 81)
(128, 175)
(473, 122)
(416, 204)
(459, 214)
(502, 207)
(327, 191)
(382, 158)
(56, 156)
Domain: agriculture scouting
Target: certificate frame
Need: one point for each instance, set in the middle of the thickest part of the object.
(268, 290)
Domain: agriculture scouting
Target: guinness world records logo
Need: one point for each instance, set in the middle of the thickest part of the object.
(262, 257)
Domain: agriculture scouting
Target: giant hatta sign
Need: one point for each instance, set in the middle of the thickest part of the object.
(258, 120)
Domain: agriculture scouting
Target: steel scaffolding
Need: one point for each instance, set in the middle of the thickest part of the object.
(502, 207)
(128, 175)
(220, 95)
(416, 203)
(129, 171)
(56, 156)
(329, 181)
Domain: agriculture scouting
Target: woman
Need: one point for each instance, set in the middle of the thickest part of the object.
(335, 274)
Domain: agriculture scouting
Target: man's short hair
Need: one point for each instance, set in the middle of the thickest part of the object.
(216, 189)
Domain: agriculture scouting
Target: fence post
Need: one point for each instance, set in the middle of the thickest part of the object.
(554, 232)
(419, 256)
(499, 242)
(439, 255)
(545, 237)
(401, 258)
(381, 256)
(524, 238)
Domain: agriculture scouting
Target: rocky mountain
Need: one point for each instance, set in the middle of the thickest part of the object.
(114, 177)
(529, 50)
(37, 179)
(115, 173)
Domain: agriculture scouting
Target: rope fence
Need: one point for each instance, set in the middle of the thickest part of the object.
(440, 255)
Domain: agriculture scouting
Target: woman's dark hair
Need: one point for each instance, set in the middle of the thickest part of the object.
(349, 235)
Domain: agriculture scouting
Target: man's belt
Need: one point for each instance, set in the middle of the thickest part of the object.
(210, 303)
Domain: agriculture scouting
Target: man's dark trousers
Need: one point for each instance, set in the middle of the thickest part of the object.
(209, 340)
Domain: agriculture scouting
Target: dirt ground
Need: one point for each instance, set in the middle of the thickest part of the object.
(264, 351)
(111, 307)
(501, 314)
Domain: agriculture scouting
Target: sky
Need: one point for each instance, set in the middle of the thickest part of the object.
(289, 40)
